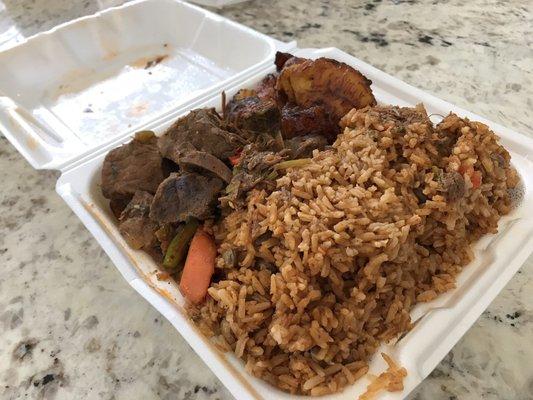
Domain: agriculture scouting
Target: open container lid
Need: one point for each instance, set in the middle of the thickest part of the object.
(67, 92)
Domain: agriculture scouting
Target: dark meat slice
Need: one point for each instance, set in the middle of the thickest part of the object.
(202, 162)
(253, 114)
(444, 145)
(281, 59)
(169, 167)
(334, 85)
(117, 206)
(298, 121)
(135, 225)
(267, 88)
(199, 130)
(285, 60)
(186, 195)
(303, 146)
(419, 193)
(453, 185)
(403, 116)
(133, 166)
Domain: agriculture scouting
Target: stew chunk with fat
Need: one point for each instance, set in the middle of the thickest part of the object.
(134, 166)
(200, 130)
(183, 196)
(135, 224)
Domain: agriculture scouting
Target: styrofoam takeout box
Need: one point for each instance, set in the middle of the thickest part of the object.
(43, 120)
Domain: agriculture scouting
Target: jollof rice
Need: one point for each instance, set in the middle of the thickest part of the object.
(317, 273)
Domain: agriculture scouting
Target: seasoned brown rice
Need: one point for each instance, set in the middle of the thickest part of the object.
(329, 264)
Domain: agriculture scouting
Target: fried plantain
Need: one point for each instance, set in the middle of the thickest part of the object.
(335, 86)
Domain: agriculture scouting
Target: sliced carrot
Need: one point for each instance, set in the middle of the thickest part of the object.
(199, 267)
(475, 178)
(465, 169)
(236, 158)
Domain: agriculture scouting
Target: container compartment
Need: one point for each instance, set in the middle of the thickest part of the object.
(68, 91)
(440, 324)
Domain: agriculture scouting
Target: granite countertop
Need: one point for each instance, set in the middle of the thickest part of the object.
(71, 327)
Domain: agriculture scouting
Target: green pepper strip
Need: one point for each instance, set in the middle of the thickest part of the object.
(177, 249)
(301, 162)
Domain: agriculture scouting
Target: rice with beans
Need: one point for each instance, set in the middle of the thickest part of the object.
(315, 274)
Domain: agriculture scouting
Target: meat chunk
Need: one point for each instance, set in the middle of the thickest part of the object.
(186, 195)
(419, 193)
(253, 113)
(135, 224)
(117, 206)
(328, 83)
(202, 162)
(267, 88)
(134, 166)
(303, 146)
(200, 130)
(285, 60)
(298, 121)
(453, 185)
(445, 145)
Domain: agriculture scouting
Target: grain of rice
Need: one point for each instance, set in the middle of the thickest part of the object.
(312, 382)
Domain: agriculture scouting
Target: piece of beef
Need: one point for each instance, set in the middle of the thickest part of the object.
(199, 130)
(267, 88)
(286, 60)
(185, 195)
(135, 224)
(303, 146)
(281, 59)
(254, 114)
(134, 166)
(453, 185)
(202, 162)
(298, 121)
(419, 193)
(445, 145)
(117, 206)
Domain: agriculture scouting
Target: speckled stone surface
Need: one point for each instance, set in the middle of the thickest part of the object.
(71, 327)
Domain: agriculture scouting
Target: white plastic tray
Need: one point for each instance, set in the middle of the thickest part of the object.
(441, 323)
(79, 157)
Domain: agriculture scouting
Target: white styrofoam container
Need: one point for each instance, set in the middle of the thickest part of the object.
(439, 324)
